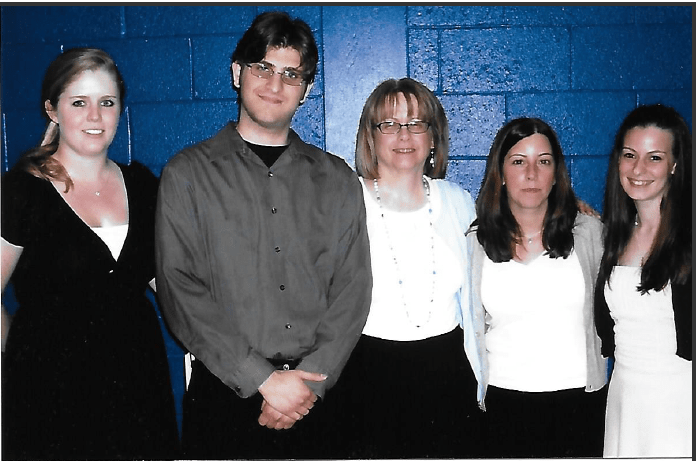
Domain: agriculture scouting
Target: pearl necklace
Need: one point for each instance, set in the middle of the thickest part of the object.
(427, 188)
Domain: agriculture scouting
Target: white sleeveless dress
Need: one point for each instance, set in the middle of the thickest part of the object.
(649, 405)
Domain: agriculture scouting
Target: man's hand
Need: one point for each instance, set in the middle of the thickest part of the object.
(274, 419)
(288, 394)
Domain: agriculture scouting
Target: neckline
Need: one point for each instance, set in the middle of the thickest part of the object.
(84, 223)
(428, 205)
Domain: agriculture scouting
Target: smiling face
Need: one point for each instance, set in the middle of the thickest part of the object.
(528, 172)
(646, 163)
(267, 106)
(87, 113)
(403, 151)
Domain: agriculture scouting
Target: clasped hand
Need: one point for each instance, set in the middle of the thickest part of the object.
(287, 398)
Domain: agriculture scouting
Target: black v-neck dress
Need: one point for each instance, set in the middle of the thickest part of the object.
(85, 372)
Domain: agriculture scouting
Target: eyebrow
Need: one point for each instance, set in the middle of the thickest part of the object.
(85, 96)
(522, 154)
(655, 151)
(299, 68)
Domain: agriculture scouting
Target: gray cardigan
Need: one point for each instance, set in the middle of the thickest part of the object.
(589, 248)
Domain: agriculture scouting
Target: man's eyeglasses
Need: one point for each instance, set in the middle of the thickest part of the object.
(415, 127)
(290, 77)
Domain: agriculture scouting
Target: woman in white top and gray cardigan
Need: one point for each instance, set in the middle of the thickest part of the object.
(534, 264)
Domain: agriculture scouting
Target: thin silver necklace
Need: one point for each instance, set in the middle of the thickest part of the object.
(427, 188)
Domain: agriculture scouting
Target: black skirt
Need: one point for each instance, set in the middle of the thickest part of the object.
(410, 399)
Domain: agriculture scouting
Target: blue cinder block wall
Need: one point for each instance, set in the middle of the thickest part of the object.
(581, 68)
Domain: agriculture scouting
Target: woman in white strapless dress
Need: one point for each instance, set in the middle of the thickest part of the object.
(644, 290)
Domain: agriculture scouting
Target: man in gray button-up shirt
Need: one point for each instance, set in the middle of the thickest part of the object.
(263, 262)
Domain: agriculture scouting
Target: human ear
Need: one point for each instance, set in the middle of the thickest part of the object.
(307, 92)
(236, 70)
(50, 111)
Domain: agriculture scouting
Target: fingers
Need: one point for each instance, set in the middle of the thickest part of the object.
(307, 376)
(287, 392)
(273, 419)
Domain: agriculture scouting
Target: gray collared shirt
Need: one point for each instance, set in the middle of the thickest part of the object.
(256, 262)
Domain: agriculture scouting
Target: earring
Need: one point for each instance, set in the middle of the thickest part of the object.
(503, 183)
(432, 161)
(674, 165)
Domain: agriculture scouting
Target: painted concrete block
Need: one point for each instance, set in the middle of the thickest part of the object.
(562, 15)
(663, 14)
(159, 131)
(211, 63)
(157, 69)
(511, 59)
(423, 55)
(53, 24)
(468, 174)
(474, 121)
(23, 69)
(588, 175)
(186, 20)
(22, 130)
(656, 69)
(454, 15)
(308, 123)
(603, 57)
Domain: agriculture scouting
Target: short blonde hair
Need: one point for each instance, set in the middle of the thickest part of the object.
(419, 98)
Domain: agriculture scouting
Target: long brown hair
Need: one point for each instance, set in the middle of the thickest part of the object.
(63, 71)
(670, 258)
(497, 229)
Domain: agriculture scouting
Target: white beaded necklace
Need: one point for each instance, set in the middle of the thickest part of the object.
(427, 188)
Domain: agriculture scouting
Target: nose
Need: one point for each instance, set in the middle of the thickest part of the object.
(275, 83)
(638, 167)
(531, 171)
(94, 113)
(403, 132)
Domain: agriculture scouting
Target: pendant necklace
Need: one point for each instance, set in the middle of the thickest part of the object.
(530, 237)
(98, 193)
(427, 188)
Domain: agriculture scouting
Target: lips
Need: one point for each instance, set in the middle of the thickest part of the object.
(404, 151)
(531, 190)
(94, 131)
(271, 99)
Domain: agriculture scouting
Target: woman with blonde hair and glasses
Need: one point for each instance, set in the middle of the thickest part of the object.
(414, 385)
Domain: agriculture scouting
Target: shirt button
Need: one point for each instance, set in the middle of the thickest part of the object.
(282, 287)
(270, 174)
(288, 326)
(273, 210)
(277, 249)
(111, 271)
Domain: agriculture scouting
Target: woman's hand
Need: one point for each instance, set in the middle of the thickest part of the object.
(586, 209)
